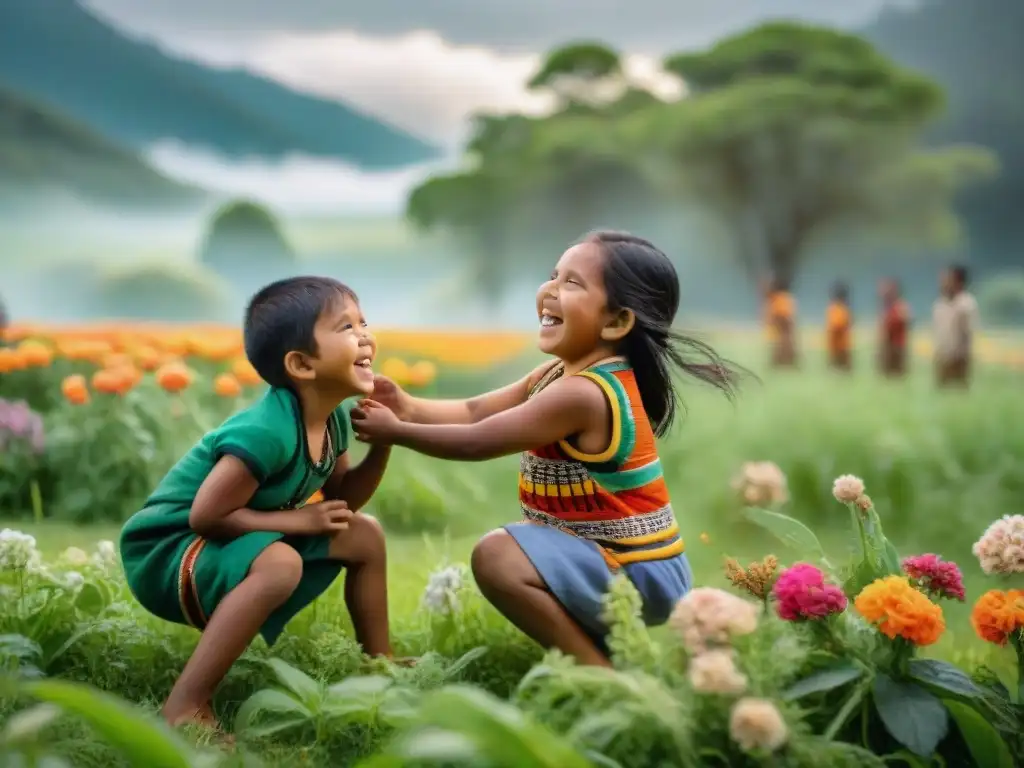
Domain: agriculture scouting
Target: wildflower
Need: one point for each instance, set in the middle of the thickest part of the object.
(17, 550)
(801, 593)
(761, 483)
(998, 615)
(74, 556)
(75, 390)
(1001, 548)
(422, 374)
(106, 554)
(73, 580)
(227, 385)
(704, 538)
(708, 616)
(442, 592)
(757, 724)
(864, 502)
(756, 578)
(173, 377)
(715, 672)
(935, 575)
(20, 427)
(848, 488)
(899, 610)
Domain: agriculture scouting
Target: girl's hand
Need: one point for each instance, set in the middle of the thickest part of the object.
(392, 396)
(374, 423)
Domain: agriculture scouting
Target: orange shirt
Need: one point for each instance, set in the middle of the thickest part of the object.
(838, 321)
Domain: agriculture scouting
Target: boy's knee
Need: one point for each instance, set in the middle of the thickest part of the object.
(363, 541)
(280, 567)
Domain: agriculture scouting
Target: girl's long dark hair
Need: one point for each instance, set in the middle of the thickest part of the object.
(640, 277)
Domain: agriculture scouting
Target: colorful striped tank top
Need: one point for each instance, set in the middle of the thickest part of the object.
(617, 498)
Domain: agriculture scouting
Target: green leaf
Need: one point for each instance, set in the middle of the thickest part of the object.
(140, 739)
(942, 674)
(287, 710)
(306, 689)
(892, 557)
(90, 599)
(912, 715)
(452, 672)
(500, 733)
(825, 680)
(786, 529)
(983, 741)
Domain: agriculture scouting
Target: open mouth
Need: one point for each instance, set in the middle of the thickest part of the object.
(547, 320)
(366, 363)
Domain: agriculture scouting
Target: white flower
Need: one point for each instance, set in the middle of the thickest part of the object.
(848, 488)
(73, 580)
(1001, 548)
(17, 550)
(74, 556)
(442, 592)
(106, 555)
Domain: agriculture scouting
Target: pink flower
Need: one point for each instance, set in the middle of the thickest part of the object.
(801, 593)
(941, 578)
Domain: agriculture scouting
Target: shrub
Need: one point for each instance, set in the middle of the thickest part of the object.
(245, 245)
(164, 293)
(1002, 298)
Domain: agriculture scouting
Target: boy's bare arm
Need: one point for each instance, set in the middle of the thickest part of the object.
(219, 510)
(355, 485)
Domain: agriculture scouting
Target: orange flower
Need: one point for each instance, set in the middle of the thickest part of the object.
(173, 377)
(422, 374)
(147, 358)
(108, 381)
(35, 354)
(998, 614)
(227, 385)
(11, 360)
(396, 370)
(245, 373)
(899, 610)
(75, 390)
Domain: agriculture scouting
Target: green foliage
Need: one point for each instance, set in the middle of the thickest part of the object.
(162, 293)
(1001, 298)
(790, 135)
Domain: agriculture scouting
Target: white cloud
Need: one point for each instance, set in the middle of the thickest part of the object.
(416, 81)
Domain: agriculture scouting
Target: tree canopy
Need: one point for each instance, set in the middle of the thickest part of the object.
(244, 244)
(788, 135)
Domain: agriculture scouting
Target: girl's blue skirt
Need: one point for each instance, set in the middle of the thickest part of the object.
(576, 573)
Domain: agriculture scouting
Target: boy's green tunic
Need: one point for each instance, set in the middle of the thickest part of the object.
(181, 577)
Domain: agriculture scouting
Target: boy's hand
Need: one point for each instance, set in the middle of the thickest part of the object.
(392, 396)
(326, 517)
(374, 423)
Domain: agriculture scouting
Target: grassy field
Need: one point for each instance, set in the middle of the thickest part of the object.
(940, 467)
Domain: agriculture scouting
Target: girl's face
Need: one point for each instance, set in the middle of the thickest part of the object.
(572, 304)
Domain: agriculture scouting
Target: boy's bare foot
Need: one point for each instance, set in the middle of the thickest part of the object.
(202, 717)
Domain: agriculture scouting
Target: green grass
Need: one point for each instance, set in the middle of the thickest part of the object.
(940, 466)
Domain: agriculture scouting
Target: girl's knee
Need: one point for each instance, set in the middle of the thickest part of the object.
(279, 566)
(496, 559)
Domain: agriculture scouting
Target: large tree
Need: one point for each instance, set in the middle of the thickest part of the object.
(792, 133)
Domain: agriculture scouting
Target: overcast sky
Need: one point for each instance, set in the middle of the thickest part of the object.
(426, 64)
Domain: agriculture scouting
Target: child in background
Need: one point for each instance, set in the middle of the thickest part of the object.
(894, 329)
(591, 488)
(839, 325)
(225, 543)
(782, 321)
(955, 320)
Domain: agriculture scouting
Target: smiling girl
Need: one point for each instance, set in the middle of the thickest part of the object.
(591, 488)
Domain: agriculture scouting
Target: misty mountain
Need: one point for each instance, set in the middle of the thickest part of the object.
(974, 49)
(43, 153)
(135, 94)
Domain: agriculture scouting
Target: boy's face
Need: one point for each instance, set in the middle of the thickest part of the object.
(345, 349)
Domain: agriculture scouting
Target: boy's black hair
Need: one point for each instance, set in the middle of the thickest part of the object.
(840, 291)
(280, 318)
(641, 278)
(960, 274)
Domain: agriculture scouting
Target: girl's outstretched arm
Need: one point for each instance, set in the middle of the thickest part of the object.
(422, 410)
(566, 408)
